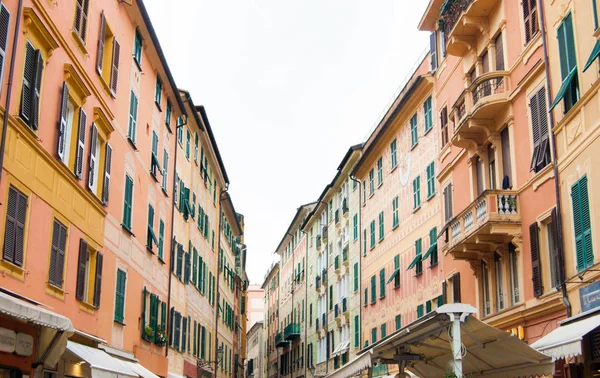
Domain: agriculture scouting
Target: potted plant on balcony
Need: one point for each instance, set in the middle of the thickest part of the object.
(160, 338)
(148, 334)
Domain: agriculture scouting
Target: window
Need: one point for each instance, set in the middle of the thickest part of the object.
(539, 125)
(364, 192)
(4, 25)
(32, 82)
(382, 283)
(372, 229)
(374, 335)
(428, 307)
(70, 147)
(373, 289)
(158, 92)
(165, 180)
(161, 238)
(196, 148)
(89, 275)
(499, 52)
(419, 311)
(128, 203)
(356, 331)
(394, 154)
(491, 166)
(383, 330)
(380, 171)
(569, 89)
(168, 115)
(499, 282)
(433, 252)
(414, 133)
(107, 58)
(356, 277)
(444, 126)
(448, 203)
(417, 193)
(14, 229)
(366, 301)
(418, 253)
(530, 19)
(365, 241)
(381, 227)
(137, 48)
(120, 296)
(398, 321)
(57, 254)
(582, 225)
(371, 182)
(354, 227)
(187, 144)
(428, 114)
(485, 288)
(514, 273)
(431, 179)
(396, 274)
(395, 219)
(433, 51)
(180, 131)
(154, 165)
(553, 256)
(133, 106)
(151, 236)
(81, 15)
(595, 14)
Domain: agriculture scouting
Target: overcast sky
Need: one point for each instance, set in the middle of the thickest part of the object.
(288, 86)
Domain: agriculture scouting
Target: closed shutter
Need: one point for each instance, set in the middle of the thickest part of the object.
(153, 319)
(4, 25)
(107, 167)
(57, 254)
(120, 296)
(114, 72)
(100, 53)
(80, 143)
(195, 346)
(98, 283)
(500, 53)
(536, 274)
(530, 19)
(81, 14)
(556, 254)
(127, 206)
(433, 51)
(28, 82)
(177, 338)
(186, 273)
(355, 276)
(62, 123)
(81, 269)
(456, 287)
(506, 160)
(161, 238)
(183, 334)
(93, 158)
(179, 261)
(582, 224)
(203, 343)
(373, 289)
(165, 170)
(14, 231)
(382, 283)
(195, 266)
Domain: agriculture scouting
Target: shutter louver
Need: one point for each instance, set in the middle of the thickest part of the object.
(98, 279)
(456, 287)
(57, 254)
(100, 54)
(14, 227)
(80, 144)
(28, 78)
(93, 158)
(107, 166)
(556, 249)
(53, 254)
(499, 53)
(114, 71)
(35, 96)
(62, 123)
(4, 24)
(536, 274)
(81, 269)
(433, 51)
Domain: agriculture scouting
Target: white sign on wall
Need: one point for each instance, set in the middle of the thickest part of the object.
(24, 345)
(8, 340)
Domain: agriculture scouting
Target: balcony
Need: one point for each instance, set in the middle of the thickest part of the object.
(324, 233)
(477, 107)
(279, 341)
(490, 221)
(464, 21)
(292, 331)
(345, 206)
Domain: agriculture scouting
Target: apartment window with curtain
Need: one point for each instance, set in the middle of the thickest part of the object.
(568, 92)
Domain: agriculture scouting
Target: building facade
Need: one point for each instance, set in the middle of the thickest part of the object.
(333, 295)
(271, 323)
(255, 304)
(254, 365)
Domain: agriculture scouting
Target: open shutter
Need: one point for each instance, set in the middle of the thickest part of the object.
(28, 82)
(106, 183)
(544, 151)
(35, 94)
(80, 144)
(98, 280)
(62, 123)
(114, 71)
(100, 53)
(4, 24)
(456, 287)
(433, 51)
(536, 274)
(81, 268)
(93, 157)
(556, 249)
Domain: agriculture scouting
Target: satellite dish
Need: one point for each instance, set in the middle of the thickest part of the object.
(404, 168)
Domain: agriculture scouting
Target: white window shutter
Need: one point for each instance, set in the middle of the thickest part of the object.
(62, 124)
(106, 183)
(80, 144)
(93, 157)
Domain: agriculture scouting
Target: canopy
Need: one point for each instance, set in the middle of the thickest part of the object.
(100, 362)
(353, 367)
(566, 84)
(431, 249)
(417, 259)
(394, 274)
(139, 369)
(487, 351)
(173, 375)
(341, 348)
(21, 309)
(565, 341)
(593, 56)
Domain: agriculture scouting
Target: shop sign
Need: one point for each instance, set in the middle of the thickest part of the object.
(589, 296)
(8, 340)
(12, 342)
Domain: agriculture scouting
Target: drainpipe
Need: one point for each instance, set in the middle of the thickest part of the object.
(360, 292)
(223, 191)
(173, 243)
(559, 227)
(11, 75)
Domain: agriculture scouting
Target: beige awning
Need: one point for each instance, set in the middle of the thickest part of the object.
(353, 367)
(139, 370)
(21, 309)
(565, 341)
(100, 362)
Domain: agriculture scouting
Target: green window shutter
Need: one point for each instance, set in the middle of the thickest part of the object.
(366, 301)
(419, 248)
(161, 238)
(419, 311)
(582, 224)
(195, 266)
(381, 226)
(355, 277)
(414, 135)
(382, 283)
(133, 105)
(395, 212)
(128, 202)
(187, 144)
(120, 296)
(365, 242)
(168, 115)
(372, 234)
(163, 315)
(203, 344)
(380, 171)
(371, 181)
(427, 114)
(433, 242)
(373, 335)
(383, 330)
(417, 192)
(373, 289)
(393, 153)
(356, 332)
(331, 297)
(398, 322)
(137, 48)
(158, 92)
(430, 180)
(355, 226)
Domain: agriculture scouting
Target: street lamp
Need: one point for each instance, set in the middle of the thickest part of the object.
(200, 364)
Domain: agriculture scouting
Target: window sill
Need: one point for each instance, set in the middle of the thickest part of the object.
(431, 196)
(160, 260)
(149, 249)
(12, 270)
(87, 307)
(164, 192)
(395, 226)
(396, 286)
(132, 143)
(432, 265)
(127, 229)
(153, 174)
(417, 274)
(168, 127)
(394, 168)
(416, 209)
(414, 146)
(427, 131)
(120, 322)
(379, 185)
(79, 42)
(380, 240)
(158, 106)
(55, 291)
(138, 64)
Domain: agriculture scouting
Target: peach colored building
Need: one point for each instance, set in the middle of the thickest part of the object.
(255, 305)
(271, 323)
(495, 173)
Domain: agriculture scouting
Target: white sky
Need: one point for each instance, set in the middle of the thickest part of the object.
(288, 86)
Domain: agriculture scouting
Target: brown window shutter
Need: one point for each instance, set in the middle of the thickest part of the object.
(98, 280)
(52, 272)
(28, 80)
(14, 232)
(81, 268)
(93, 158)
(456, 287)
(114, 73)
(499, 53)
(4, 25)
(444, 291)
(536, 274)
(558, 263)
(100, 53)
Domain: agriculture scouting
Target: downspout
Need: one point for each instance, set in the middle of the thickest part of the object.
(360, 292)
(223, 191)
(559, 227)
(173, 243)
(11, 75)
